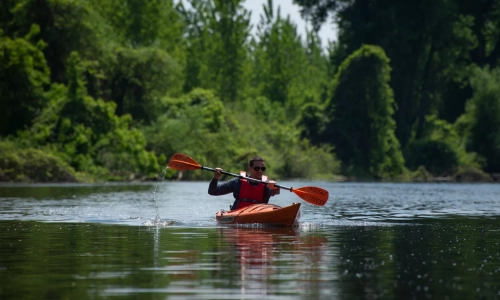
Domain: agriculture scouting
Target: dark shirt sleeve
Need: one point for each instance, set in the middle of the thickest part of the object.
(217, 189)
(267, 194)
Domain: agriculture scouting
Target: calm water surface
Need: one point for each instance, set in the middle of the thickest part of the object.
(161, 241)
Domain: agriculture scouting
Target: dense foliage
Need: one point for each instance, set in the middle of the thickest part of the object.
(33, 165)
(434, 48)
(360, 114)
(111, 89)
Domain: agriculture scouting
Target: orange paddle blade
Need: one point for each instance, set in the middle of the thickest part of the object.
(312, 194)
(182, 162)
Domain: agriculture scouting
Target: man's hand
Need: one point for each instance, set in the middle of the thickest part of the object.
(217, 173)
(275, 189)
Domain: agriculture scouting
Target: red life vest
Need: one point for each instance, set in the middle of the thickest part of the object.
(250, 194)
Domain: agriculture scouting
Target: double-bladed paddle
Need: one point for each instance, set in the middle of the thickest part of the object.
(311, 194)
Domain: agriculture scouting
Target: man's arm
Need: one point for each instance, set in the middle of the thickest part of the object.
(271, 189)
(268, 193)
(216, 189)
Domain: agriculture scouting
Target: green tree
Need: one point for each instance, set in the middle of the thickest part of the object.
(360, 113)
(140, 78)
(137, 24)
(286, 72)
(65, 26)
(428, 43)
(483, 117)
(485, 28)
(316, 85)
(194, 124)
(86, 133)
(32, 165)
(437, 156)
(316, 78)
(24, 75)
(217, 46)
(483, 24)
(442, 151)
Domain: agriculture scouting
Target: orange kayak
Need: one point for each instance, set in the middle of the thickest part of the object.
(268, 214)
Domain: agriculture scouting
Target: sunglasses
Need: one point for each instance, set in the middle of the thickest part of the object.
(259, 168)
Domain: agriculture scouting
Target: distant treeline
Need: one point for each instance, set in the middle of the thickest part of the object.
(109, 90)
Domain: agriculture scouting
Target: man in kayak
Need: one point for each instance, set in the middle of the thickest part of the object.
(245, 192)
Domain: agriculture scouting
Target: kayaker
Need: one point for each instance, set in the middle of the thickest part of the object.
(245, 192)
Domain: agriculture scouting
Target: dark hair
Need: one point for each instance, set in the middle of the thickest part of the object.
(255, 158)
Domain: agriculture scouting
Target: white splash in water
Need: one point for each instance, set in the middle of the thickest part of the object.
(157, 221)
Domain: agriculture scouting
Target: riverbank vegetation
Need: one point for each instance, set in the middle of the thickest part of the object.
(109, 90)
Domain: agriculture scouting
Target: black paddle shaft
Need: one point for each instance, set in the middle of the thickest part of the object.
(247, 178)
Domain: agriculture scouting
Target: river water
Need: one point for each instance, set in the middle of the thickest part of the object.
(161, 241)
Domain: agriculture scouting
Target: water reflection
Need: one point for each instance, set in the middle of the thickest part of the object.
(454, 259)
(451, 259)
(256, 252)
(275, 261)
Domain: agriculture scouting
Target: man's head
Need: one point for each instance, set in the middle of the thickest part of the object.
(257, 167)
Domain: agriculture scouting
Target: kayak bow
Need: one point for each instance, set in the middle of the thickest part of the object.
(266, 214)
